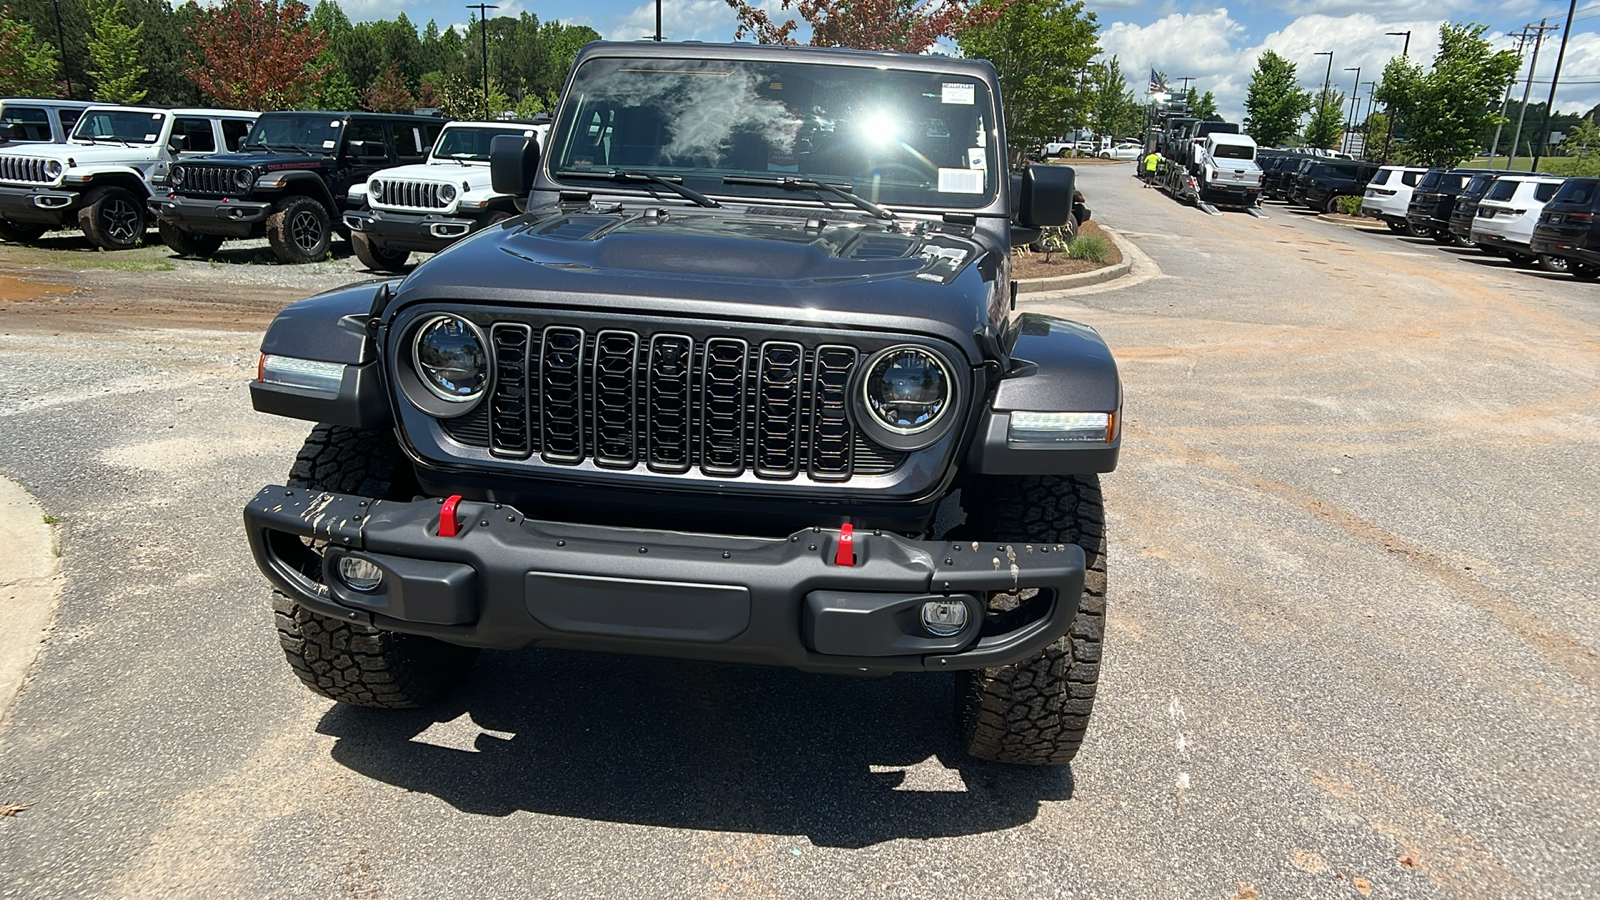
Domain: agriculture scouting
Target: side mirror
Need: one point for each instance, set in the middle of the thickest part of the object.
(178, 143)
(5, 132)
(1042, 196)
(238, 146)
(513, 160)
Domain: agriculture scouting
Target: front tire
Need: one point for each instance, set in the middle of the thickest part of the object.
(20, 233)
(1419, 231)
(299, 230)
(186, 243)
(378, 259)
(1556, 264)
(344, 660)
(1035, 712)
(1583, 271)
(112, 218)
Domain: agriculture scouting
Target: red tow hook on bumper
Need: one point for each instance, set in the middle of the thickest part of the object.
(448, 525)
(847, 546)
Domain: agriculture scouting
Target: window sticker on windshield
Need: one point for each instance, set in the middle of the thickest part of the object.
(151, 137)
(327, 145)
(977, 158)
(963, 94)
(417, 133)
(156, 117)
(961, 181)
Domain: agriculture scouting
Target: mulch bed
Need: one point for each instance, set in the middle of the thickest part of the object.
(1026, 264)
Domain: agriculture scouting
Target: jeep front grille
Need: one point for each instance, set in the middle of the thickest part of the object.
(212, 181)
(25, 169)
(411, 195)
(672, 404)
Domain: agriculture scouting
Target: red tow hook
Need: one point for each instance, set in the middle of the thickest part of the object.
(847, 546)
(448, 525)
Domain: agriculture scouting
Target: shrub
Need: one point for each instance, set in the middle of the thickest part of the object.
(1092, 247)
(1350, 206)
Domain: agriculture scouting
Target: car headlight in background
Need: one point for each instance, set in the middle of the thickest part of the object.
(375, 189)
(447, 193)
(451, 359)
(244, 179)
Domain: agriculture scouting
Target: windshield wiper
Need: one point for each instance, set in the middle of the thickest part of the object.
(618, 175)
(812, 184)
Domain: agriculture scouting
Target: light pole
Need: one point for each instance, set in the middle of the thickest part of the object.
(1355, 98)
(1388, 132)
(658, 21)
(483, 18)
(1406, 50)
(1327, 82)
(61, 44)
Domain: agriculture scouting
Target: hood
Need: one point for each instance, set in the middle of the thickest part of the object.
(262, 160)
(86, 154)
(785, 263)
(444, 173)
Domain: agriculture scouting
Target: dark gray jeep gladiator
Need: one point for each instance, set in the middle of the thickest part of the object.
(743, 383)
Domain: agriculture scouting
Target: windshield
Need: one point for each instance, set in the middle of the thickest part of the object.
(128, 126)
(892, 137)
(1504, 189)
(473, 143)
(1577, 193)
(1234, 151)
(316, 133)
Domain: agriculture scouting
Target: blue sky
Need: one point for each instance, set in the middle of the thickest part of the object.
(1216, 45)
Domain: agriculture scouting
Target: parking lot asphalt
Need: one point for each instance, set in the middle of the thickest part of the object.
(1351, 648)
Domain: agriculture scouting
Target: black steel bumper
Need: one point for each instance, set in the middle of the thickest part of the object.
(428, 233)
(1231, 196)
(1565, 243)
(38, 206)
(227, 217)
(507, 581)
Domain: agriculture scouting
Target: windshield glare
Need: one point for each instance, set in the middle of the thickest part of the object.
(473, 143)
(317, 133)
(894, 137)
(126, 125)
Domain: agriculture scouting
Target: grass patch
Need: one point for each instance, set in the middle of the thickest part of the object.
(1554, 165)
(1092, 247)
(51, 520)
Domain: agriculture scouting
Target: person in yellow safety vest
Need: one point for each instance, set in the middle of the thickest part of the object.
(1150, 168)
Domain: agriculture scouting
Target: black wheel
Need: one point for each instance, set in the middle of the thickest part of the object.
(112, 218)
(378, 259)
(187, 243)
(1419, 231)
(1460, 241)
(1553, 263)
(299, 230)
(1583, 271)
(20, 233)
(1331, 205)
(1441, 236)
(348, 661)
(1521, 259)
(1396, 227)
(1061, 154)
(1035, 712)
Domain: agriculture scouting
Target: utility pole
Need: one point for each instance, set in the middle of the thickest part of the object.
(1527, 88)
(1522, 39)
(61, 45)
(1550, 104)
(1327, 82)
(1405, 53)
(483, 18)
(658, 21)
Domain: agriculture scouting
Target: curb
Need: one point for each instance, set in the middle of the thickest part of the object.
(1130, 255)
(30, 585)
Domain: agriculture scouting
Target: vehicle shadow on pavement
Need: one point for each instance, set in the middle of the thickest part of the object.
(681, 745)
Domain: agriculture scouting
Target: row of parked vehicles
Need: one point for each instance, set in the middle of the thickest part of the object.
(392, 183)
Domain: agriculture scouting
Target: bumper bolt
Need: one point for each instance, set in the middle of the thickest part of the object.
(726, 554)
(484, 523)
(511, 518)
(949, 561)
(644, 549)
(561, 543)
(812, 547)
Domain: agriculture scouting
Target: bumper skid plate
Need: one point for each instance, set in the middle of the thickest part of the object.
(504, 580)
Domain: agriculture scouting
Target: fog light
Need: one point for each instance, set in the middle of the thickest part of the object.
(944, 618)
(364, 576)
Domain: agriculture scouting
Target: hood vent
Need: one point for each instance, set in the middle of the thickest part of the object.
(880, 246)
(575, 228)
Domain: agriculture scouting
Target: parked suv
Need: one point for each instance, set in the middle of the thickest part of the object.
(290, 180)
(101, 179)
(1388, 196)
(30, 121)
(1466, 207)
(1434, 199)
(1567, 228)
(1321, 184)
(718, 395)
(1506, 217)
(430, 206)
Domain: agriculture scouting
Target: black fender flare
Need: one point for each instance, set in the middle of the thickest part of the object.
(309, 184)
(328, 328)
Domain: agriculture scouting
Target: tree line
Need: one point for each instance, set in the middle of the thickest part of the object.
(279, 54)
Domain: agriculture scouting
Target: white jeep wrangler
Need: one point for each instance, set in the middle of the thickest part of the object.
(100, 179)
(428, 207)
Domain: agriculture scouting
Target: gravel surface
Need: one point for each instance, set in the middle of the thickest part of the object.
(1351, 647)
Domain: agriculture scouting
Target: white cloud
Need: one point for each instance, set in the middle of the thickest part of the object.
(681, 20)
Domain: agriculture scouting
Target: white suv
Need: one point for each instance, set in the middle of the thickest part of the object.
(431, 205)
(1389, 193)
(1506, 216)
(115, 159)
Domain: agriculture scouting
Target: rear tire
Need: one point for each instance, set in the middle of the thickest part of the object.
(344, 660)
(112, 218)
(378, 259)
(1396, 227)
(1035, 712)
(1583, 271)
(186, 243)
(1331, 205)
(1553, 263)
(19, 233)
(299, 230)
(1419, 231)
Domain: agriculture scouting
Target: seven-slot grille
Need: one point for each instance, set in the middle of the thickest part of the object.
(23, 168)
(672, 403)
(214, 180)
(412, 195)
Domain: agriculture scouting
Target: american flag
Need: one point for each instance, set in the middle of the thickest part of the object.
(1156, 85)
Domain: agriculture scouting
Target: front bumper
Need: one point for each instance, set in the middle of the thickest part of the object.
(507, 581)
(38, 206)
(424, 232)
(226, 216)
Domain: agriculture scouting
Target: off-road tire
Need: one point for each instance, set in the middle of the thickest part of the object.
(1556, 264)
(1583, 271)
(112, 218)
(345, 660)
(1035, 712)
(187, 243)
(376, 258)
(299, 230)
(20, 232)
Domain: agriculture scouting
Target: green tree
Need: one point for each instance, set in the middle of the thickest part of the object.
(1201, 106)
(1038, 47)
(1114, 111)
(1583, 142)
(114, 52)
(28, 66)
(1447, 110)
(1274, 102)
(1327, 124)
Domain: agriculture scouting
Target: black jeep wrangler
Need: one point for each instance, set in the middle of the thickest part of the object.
(289, 180)
(743, 384)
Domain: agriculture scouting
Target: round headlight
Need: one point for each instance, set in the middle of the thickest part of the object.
(906, 390)
(451, 359)
(447, 193)
(244, 179)
(177, 176)
(375, 189)
(53, 168)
